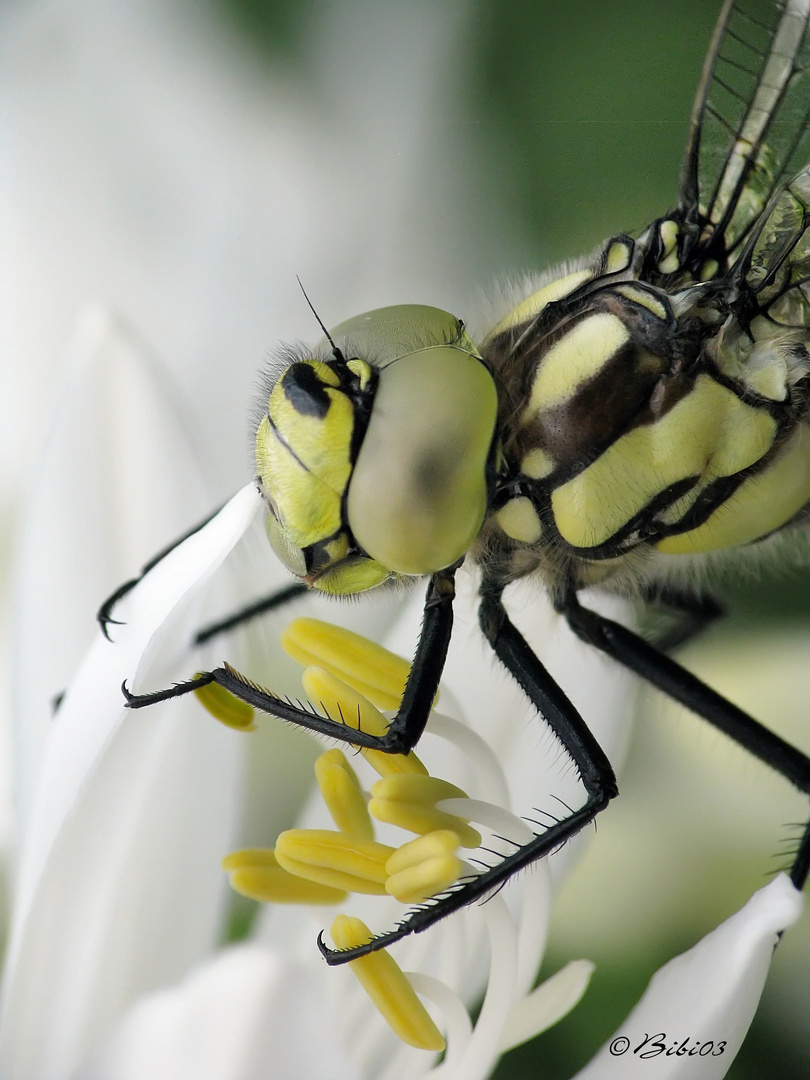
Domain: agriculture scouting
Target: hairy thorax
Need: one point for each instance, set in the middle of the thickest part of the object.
(640, 428)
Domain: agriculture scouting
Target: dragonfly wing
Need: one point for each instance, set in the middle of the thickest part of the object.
(749, 128)
(775, 262)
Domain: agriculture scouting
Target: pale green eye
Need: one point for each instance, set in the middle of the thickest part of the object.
(418, 493)
(391, 333)
(424, 405)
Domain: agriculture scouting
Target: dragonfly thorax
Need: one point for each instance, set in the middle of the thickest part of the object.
(637, 422)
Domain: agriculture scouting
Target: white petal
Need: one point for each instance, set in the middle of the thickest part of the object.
(245, 1016)
(120, 885)
(92, 709)
(116, 481)
(705, 998)
(482, 1052)
(547, 1004)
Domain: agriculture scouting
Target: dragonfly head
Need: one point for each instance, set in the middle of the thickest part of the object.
(372, 450)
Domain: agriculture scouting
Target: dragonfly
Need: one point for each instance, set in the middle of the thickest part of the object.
(630, 422)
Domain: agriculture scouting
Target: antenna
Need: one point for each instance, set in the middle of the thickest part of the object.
(338, 355)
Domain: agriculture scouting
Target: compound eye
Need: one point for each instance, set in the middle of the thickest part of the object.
(418, 492)
(290, 555)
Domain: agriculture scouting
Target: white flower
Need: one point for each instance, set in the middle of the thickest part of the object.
(120, 884)
(172, 178)
(697, 1008)
(120, 893)
(82, 894)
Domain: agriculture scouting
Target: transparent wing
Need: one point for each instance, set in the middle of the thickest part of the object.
(775, 261)
(749, 127)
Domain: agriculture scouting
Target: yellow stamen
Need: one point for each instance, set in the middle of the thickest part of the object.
(423, 867)
(321, 866)
(340, 701)
(254, 872)
(387, 985)
(371, 670)
(394, 764)
(409, 801)
(226, 708)
(344, 798)
(332, 858)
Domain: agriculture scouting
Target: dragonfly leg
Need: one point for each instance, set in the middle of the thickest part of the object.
(591, 762)
(104, 615)
(674, 680)
(406, 727)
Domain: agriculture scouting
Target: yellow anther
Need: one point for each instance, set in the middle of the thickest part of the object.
(394, 764)
(344, 703)
(370, 669)
(409, 801)
(387, 985)
(332, 858)
(255, 872)
(424, 867)
(226, 708)
(430, 846)
(344, 798)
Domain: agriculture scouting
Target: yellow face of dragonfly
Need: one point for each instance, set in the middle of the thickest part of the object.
(373, 460)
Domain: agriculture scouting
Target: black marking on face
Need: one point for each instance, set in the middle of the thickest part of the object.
(305, 391)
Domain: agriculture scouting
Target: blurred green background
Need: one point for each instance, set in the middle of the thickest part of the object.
(575, 117)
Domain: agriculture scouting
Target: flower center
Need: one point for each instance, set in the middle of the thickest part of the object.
(351, 678)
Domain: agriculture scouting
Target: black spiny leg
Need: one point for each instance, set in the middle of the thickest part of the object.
(275, 600)
(104, 614)
(406, 727)
(591, 762)
(678, 683)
